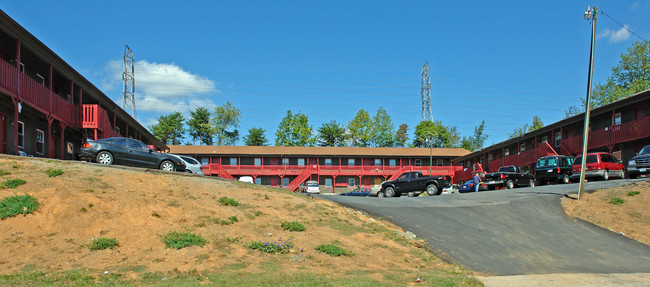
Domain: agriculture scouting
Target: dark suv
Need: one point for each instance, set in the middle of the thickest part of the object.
(639, 164)
(554, 168)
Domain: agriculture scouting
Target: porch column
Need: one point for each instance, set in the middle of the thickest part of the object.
(18, 54)
(62, 148)
(50, 119)
(16, 103)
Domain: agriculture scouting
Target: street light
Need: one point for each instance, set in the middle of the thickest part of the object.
(590, 14)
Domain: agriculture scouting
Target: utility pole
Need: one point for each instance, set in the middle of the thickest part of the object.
(589, 15)
(426, 94)
(128, 77)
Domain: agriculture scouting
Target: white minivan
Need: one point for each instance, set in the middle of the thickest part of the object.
(313, 187)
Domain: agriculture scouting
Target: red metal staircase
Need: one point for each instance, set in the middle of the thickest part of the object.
(295, 183)
(223, 173)
(398, 172)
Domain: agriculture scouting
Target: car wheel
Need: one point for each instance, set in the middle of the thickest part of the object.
(432, 189)
(104, 157)
(188, 171)
(411, 194)
(389, 192)
(531, 183)
(167, 166)
(381, 194)
(606, 175)
(632, 176)
(565, 179)
(510, 184)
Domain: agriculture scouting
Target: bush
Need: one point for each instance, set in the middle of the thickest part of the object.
(272, 247)
(54, 172)
(19, 204)
(180, 240)
(228, 201)
(633, 193)
(103, 243)
(333, 250)
(13, 183)
(293, 226)
(616, 201)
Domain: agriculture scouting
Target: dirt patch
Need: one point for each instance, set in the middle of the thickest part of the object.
(622, 210)
(137, 207)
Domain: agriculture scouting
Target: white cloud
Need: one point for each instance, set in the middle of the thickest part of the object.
(635, 5)
(615, 36)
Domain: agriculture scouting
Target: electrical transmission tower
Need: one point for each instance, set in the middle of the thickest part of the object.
(426, 94)
(128, 77)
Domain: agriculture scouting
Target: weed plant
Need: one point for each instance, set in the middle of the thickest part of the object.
(4, 172)
(13, 183)
(228, 201)
(103, 243)
(633, 193)
(54, 172)
(333, 250)
(180, 240)
(616, 201)
(19, 204)
(278, 246)
(293, 226)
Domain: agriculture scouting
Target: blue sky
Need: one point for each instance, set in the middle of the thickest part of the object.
(499, 61)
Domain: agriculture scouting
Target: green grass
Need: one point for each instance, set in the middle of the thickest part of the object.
(293, 226)
(103, 243)
(333, 250)
(616, 201)
(4, 172)
(633, 193)
(13, 183)
(18, 204)
(228, 201)
(181, 240)
(54, 172)
(278, 246)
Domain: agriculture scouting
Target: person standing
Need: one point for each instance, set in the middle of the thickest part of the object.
(477, 182)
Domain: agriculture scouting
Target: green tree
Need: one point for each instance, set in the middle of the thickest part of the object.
(630, 76)
(382, 129)
(360, 129)
(225, 122)
(526, 128)
(435, 134)
(331, 134)
(169, 128)
(255, 137)
(199, 126)
(401, 135)
(294, 130)
(476, 141)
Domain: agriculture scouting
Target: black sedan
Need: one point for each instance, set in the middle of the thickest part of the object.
(127, 151)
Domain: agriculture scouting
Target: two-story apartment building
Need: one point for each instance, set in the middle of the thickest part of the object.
(332, 167)
(621, 128)
(46, 107)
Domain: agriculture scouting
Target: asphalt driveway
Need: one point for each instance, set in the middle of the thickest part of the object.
(511, 232)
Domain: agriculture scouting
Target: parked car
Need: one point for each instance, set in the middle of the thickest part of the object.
(413, 183)
(127, 151)
(509, 177)
(191, 165)
(469, 186)
(554, 168)
(312, 187)
(246, 178)
(640, 163)
(358, 191)
(599, 165)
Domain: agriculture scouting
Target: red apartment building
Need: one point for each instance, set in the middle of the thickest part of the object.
(621, 128)
(46, 107)
(333, 167)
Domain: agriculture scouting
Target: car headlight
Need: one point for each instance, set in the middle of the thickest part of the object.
(631, 162)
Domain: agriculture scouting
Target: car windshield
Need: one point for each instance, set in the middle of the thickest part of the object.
(470, 182)
(507, 169)
(547, 162)
(312, 184)
(591, 158)
(645, 150)
(189, 160)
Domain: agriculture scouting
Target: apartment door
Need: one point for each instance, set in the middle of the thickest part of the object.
(3, 133)
(54, 147)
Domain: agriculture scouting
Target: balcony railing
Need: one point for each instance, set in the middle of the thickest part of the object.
(338, 170)
(610, 136)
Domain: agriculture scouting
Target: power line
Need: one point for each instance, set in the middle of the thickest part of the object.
(624, 26)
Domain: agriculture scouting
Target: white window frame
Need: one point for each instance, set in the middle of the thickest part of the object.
(288, 181)
(352, 182)
(21, 134)
(377, 162)
(258, 180)
(558, 139)
(328, 161)
(440, 162)
(40, 79)
(351, 160)
(392, 162)
(617, 119)
(301, 161)
(285, 161)
(506, 152)
(21, 67)
(231, 161)
(257, 161)
(328, 182)
(205, 161)
(522, 147)
(418, 162)
(40, 139)
(490, 156)
(117, 130)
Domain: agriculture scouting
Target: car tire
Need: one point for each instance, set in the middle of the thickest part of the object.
(432, 190)
(632, 176)
(565, 179)
(188, 171)
(606, 175)
(389, 192)
(531, 183)
(411, 194)
(167, 165)
(381, 194)
(104, 157)
(509, 184)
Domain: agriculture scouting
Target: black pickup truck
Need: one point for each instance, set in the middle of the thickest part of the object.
(413, 183)
(509, 177)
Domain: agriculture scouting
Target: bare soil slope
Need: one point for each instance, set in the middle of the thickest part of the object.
(137, 206)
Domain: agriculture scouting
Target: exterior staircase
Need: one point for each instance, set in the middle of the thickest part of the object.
(397, 173)
(223, 173)
(295, 183)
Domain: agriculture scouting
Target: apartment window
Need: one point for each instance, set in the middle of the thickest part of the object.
(328, 182)
(545, 139)
(351, 182)
(558, 139)
(301, 161)
(285, 161)
(440, 162)
(506, 152)
(418, 162)
(285, 181)
(617, 119)
(391, 162)
(70, 148)
(258, 161)
(377, 162)
(480, 160)
(233, 161)
(258, 181)
(40, 141)
(490, 157)
(328, 161)
(522, 147)
(40, 80)
(205, 160)
(22, 67)
(351, 162)
(117, 130)
(21, 134)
